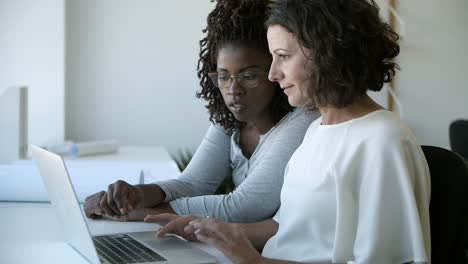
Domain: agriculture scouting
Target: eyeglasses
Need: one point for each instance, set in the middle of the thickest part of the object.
(247, 79)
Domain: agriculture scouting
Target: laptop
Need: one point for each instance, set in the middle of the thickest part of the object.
(138, 247)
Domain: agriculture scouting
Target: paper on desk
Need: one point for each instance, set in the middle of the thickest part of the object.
(22, 182)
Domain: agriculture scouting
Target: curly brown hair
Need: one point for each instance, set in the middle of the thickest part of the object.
(239, 23)
(352, 47)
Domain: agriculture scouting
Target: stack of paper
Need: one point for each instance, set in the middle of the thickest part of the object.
(22, 182)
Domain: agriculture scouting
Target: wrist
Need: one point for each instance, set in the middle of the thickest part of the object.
(161, 194)
(164, 208)
(257, 259)
(151, 195)
(238, 227)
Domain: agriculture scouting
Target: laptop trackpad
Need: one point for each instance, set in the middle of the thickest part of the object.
(164, 243)
(173, 248)
(167, 243)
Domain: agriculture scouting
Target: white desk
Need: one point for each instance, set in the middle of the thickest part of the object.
(31, 233)
(20, 181)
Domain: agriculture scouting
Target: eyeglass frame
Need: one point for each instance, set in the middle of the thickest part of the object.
(237, 77)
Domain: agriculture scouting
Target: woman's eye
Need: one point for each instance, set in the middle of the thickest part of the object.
(249, 76)
(223, 77)
(283, 56)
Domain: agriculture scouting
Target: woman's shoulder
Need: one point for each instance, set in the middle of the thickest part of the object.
(217, 132)
(299, 116)
(381, 122)
(381, 125)
(292, 128)
(295, 124)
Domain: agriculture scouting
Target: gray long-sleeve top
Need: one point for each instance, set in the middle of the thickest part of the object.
(258, 180)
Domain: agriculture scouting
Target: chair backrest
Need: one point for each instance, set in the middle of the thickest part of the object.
(448, 206)
(458, 132)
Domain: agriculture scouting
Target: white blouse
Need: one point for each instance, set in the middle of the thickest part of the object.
(355, 192)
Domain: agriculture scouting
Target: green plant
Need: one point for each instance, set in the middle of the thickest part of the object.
(183, 158)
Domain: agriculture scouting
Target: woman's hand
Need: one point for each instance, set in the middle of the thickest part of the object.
(134, 215)
(92, 207)
(229, 238)
(119, 199)
(126, 202)
(173, 224)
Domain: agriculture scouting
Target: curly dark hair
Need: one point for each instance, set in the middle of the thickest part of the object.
(352, 47)
(239, 23)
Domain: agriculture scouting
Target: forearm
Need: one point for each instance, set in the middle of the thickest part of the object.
(153, 195)
(254, 200)
(190, 183)
(161, 209)
(259, 233)
(276, 261)
(246, 204)
(140, 213)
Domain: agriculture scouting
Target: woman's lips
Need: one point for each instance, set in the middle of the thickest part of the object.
(285, 89)
(238, 107)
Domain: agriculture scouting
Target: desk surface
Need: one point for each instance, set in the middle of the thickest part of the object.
(20, 181)
(31, 233)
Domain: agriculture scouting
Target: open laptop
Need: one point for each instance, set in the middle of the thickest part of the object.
(139, 247)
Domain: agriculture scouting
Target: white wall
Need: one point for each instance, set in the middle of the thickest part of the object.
(32, 54)
(131, 72)
(433, 82)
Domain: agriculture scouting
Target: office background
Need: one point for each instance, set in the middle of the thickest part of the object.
(126, 69)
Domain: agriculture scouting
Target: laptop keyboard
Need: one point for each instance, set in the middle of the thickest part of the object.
(121, 248)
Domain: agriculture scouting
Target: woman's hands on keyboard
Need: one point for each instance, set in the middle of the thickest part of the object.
(174, 224)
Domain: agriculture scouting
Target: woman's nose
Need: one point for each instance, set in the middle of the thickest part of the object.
(235, 88)
(274, 74)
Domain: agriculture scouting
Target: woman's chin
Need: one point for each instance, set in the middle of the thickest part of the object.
(297, 101)
(240, 117)
(293, 101)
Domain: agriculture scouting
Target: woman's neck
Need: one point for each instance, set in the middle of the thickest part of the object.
(360, 107)
(262, 123)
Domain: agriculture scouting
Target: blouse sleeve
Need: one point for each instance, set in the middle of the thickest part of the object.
(392, 193)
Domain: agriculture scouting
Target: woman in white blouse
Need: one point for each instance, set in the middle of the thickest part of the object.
(357, 189)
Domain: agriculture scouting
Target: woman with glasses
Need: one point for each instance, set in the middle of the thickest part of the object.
(254, 131)
(357, 189)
